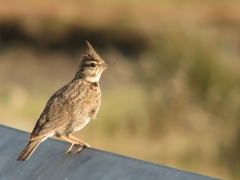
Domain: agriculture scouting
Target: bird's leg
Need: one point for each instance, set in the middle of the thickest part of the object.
(69, 149)
(70, 136)
(84, 144)
(77, 151)
(73, 142)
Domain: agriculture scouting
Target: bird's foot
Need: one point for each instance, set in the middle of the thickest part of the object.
(70, 148)
(80, 149)
(70, 136)
(85, 145)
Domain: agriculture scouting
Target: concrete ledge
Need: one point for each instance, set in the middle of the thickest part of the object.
(47, 163)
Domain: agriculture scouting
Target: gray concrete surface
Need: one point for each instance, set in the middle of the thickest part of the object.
(47, 163)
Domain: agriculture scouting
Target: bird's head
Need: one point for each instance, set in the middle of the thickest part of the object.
(91, 65)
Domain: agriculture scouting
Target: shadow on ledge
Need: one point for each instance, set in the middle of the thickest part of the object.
(47, 163)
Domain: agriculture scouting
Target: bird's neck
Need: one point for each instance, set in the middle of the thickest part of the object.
(93, 79)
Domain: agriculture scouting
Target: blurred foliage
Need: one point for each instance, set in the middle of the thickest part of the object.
(173, 98)
(193, 90)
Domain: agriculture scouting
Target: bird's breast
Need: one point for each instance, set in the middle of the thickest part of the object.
(81, 125)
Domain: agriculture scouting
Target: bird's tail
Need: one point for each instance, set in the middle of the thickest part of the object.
(29, 149)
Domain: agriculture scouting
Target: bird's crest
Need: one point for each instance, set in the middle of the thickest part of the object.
(91, 52)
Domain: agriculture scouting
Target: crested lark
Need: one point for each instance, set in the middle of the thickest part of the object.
(71, 107)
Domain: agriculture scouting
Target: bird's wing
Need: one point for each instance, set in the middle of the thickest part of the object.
(55, 116)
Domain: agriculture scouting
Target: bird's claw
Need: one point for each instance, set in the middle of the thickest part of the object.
(81, 148)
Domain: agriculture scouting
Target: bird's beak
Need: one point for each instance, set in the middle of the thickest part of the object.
(110, 63)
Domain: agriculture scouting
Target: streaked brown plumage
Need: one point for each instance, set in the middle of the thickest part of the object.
(71, 107)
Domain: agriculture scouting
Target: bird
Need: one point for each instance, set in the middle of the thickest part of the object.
(70, 108)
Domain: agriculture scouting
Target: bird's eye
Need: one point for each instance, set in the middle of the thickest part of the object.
(92, 64)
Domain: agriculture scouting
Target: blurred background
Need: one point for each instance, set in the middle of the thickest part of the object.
(174, 96)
